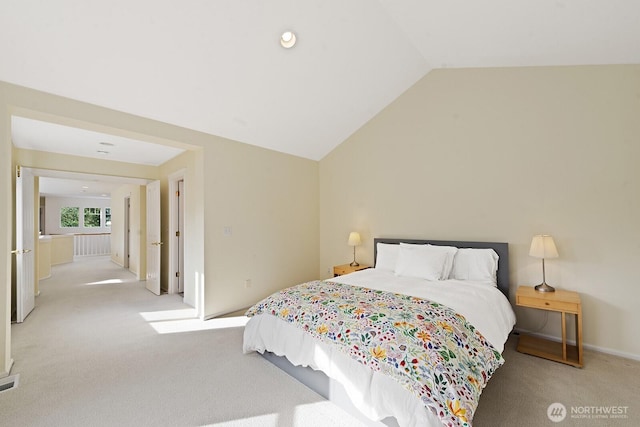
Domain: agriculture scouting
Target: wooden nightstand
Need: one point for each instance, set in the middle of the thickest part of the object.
(339, 270)
(560, 301)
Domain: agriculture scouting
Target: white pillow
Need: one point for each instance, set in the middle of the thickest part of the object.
(450, 252)
(475, 264)
(386, 256)
(421, 261)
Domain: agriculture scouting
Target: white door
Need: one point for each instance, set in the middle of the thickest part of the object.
(25, 236)
(154, 243)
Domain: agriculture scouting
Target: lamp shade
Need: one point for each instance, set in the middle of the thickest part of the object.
(354, 239)
(542, 246)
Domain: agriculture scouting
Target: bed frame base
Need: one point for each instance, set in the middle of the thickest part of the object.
(325, 387)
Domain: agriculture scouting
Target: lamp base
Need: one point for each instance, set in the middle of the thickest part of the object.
(543, 287)
(354, 264)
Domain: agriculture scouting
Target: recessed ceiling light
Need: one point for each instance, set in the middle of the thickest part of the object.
(288, 39)
(84, 187)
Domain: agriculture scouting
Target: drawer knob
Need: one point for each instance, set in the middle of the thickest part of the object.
(546, 303)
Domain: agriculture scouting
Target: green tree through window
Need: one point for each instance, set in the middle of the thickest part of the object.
(92, 217)
(69, 217)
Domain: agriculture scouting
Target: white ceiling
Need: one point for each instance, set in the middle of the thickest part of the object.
(218, 67)
(71, 184)
(32, 134)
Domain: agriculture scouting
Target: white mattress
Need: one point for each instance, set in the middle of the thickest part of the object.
(374, 394)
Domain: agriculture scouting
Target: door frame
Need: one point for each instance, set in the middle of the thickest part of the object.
(174, 226)
(127, 233)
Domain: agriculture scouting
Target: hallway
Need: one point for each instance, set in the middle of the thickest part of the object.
(101, 350)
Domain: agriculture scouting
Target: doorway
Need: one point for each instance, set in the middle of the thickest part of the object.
(180, 236)
(140, 149)
(127, 232)
(177, 198)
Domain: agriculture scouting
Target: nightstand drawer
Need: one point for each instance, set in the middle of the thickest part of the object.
(547, 304)
(342, 269)
(339, 270)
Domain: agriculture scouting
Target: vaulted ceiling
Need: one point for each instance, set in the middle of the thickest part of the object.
(218, 67)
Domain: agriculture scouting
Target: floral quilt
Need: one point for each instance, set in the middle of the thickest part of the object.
(425, 346)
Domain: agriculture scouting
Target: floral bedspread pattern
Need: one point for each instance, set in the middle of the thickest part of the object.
(427, 347)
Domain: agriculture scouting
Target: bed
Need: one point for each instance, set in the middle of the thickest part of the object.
(410, 342)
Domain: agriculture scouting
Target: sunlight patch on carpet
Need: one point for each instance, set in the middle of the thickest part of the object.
(323, 413)
(106, 282)
(268, 420)
(157, 316)
(185, 320)
(317, 414)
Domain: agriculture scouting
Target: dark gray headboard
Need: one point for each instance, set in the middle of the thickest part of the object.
(502, 249)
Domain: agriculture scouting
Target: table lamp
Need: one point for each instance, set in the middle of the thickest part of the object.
(354, 240)
(542, 246)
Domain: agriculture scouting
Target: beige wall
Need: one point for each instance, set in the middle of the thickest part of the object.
(61, 249)
(501, 155)
(44, 258)
(269, 199)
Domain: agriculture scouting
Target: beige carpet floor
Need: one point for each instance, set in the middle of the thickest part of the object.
(100, 350)
(521, 391)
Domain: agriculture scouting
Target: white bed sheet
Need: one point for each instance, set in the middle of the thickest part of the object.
(372, 393)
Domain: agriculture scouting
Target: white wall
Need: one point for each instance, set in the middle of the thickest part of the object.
(52, 214)
(501, 155)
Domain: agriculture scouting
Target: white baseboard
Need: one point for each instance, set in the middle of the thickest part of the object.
(4, 374)
(611, 351)
(117, 263)
(586, 346)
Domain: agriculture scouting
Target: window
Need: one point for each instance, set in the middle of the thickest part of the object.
(70, 217)
(107, 217)
(91, 217)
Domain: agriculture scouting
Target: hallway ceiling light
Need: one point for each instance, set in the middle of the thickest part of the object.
(288, 39)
